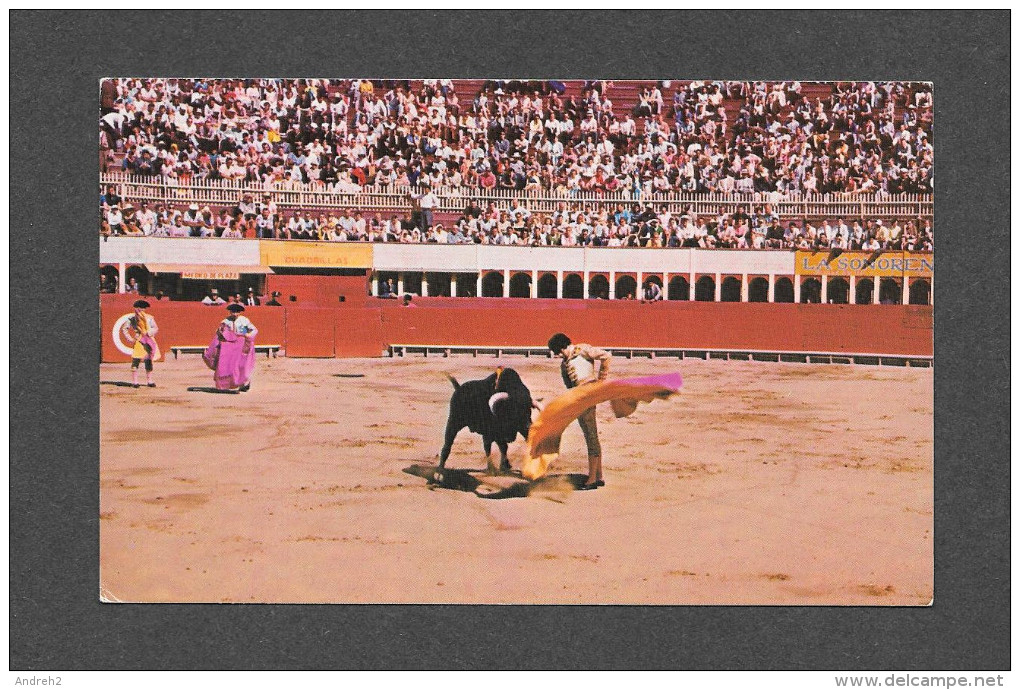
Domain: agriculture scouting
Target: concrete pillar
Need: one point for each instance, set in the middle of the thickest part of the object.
(478, 288)
(743, 287)
(825, 289)
(453, 285)
(876, 282)
(612, 285)
(852, 297)
(121, 278)
(424, 285)
(534, 284)
(400, 283)
(906, 290)
(772, 287)
(375, 285)
(690, 287)
(931, 291)
(640, 285)
(718, 287)
(559, 284)
(506, 283)
(796, 289)
(585, 286)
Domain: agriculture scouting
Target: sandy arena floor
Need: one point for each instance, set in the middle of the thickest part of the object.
(761, 483)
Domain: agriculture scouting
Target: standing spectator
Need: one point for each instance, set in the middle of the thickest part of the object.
(428, 202)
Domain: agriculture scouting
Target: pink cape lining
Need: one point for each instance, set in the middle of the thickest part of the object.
(151, 347)
(623, 396)
(231, 357)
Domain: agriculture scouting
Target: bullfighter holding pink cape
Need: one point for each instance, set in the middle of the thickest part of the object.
(141, 329)
(231, 354)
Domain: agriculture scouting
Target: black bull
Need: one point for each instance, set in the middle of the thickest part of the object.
(497, 407)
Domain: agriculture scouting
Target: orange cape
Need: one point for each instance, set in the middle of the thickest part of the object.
(622, 394)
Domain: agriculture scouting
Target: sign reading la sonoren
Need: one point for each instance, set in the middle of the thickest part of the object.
(878, 263)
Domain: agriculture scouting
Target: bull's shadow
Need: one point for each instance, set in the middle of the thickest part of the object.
(469, 482)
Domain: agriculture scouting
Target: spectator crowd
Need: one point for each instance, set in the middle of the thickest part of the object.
(866, 138)
(573, 224)
(343, 135)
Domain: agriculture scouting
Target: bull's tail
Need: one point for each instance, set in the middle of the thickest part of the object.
(453, 381)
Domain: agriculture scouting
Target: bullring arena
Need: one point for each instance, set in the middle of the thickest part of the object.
(794, 467)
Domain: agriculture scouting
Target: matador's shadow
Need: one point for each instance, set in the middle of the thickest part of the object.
(505, 486)
(210, 389)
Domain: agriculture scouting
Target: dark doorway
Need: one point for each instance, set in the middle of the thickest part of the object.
(704, 289)
(730, 289)
(679, 289)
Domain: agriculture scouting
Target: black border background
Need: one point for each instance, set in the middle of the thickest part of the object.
(56, 62)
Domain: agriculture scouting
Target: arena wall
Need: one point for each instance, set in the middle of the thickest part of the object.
(367, 330)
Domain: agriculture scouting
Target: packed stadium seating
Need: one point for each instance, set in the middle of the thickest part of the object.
(768, 165)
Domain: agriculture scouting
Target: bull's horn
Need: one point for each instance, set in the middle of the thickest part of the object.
(495, 399)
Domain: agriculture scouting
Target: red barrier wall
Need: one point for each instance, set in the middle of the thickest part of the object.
(879, 329)
(310, 332)
(319, 291)
(365, 331)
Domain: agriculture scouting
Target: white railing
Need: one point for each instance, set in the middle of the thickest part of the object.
(309, 197)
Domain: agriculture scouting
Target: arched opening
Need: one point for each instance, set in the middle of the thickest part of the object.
(108, 277)
(598, 287)
(889, 292)
(783, 291)
(864, 292)
(413, 281)
(573, 287)
(467, 285)
(704, 289)
(547, 286)
(758, 290)
(520, 285)
(730, 289)
(626, 287)
(492, 284)
(437, 283)
(679, 289)
(920, 292)
(838, 291)
(811, 291)
(140, 276)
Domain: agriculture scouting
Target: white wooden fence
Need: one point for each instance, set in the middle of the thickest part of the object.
(309, 197)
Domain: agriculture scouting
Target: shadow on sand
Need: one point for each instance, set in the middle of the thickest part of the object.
(122, 384)
(210, 389)
(505, 486)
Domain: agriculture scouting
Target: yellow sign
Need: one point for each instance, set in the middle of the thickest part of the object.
(315, 254)
(877, 263)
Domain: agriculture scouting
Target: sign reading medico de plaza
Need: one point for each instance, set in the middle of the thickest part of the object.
(878, 263)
